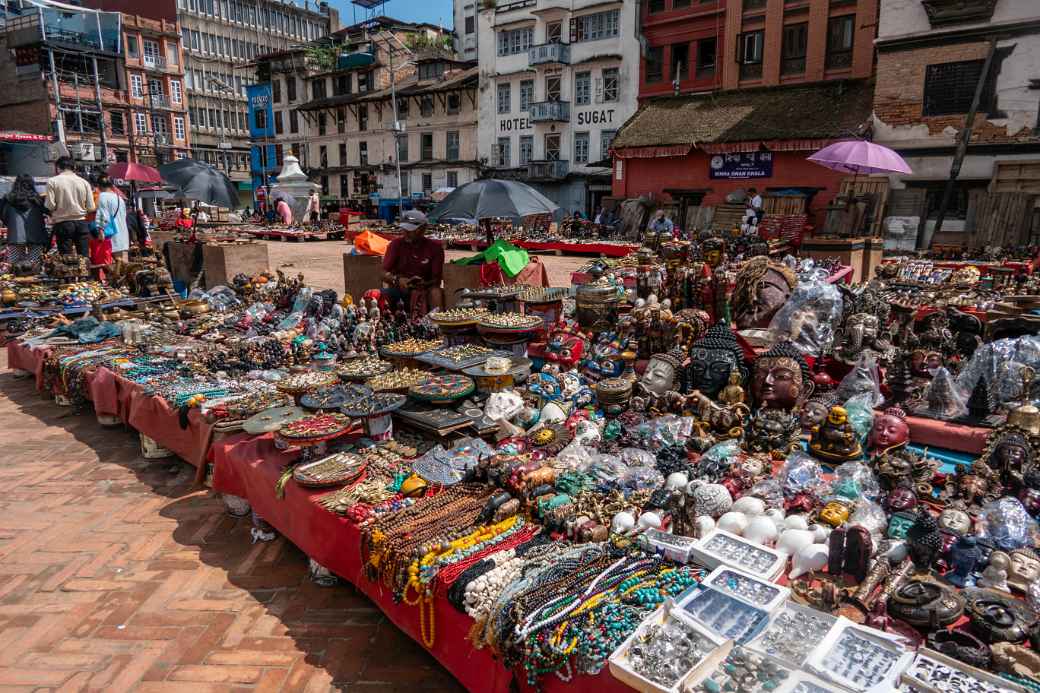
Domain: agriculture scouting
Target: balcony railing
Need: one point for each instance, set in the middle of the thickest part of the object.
(152, 62)
(159, 100)
(550, 111)
(547, 170)
(549, 54)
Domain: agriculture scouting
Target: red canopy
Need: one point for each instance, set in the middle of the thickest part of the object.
(130, 171)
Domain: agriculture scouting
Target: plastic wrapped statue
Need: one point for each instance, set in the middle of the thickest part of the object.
(808, 317)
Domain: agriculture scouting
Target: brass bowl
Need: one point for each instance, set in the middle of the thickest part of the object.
(194, 307)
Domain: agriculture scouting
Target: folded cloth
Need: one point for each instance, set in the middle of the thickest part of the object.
(88, 330)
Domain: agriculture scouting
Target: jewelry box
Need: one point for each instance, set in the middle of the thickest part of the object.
(756, 592)
(860, 658)
(793, 633)
(934, 672)
(728, 616)
(719, 547)
(624, 667)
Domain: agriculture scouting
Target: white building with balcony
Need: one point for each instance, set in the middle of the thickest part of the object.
(558, 78)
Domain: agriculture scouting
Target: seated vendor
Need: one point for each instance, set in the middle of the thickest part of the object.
(414, 262)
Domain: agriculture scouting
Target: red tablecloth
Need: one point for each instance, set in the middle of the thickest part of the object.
(249, 466)
(114, 395)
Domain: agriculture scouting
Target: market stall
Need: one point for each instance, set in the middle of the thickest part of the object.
(705, 467)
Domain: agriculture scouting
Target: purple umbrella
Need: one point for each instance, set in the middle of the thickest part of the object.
(860, 156)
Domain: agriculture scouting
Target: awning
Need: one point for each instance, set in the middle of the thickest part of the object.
(770, 145)
(652, 152)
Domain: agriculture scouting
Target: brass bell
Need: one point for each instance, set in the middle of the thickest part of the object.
(1026, 417)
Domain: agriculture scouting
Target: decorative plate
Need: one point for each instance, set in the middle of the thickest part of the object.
(399, 380)
(511, 322)
(254, 402)
(324, 399)
(443, 388)
(300, 383)
(411, 347)
(271, 420)
(458, 356)
(373, 404)
(338, 468)
(458, 317)
(314, 428)
(363, 368)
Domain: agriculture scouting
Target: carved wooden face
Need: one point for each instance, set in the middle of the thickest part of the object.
(659, 376)
(777, 382)
(888, 430)
(813, 414)
(710, 369)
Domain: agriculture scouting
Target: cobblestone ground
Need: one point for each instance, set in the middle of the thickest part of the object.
(115, 575)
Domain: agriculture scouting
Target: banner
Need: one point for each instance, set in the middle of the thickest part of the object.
(740, 165)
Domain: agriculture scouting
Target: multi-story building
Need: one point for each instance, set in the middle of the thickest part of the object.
(737, 93)
(157, 125)
(62, 73)
(557, 81)
(684, 46)
(222, 39)
(332, 107)
(931, 56)
(466, 36)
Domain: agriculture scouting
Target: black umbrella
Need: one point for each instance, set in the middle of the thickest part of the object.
(282, 195)
(199, 181)
(492, 198)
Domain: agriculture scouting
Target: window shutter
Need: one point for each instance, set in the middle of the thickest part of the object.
(573, 29)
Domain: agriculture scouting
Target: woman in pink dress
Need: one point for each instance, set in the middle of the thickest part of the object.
(285, 212)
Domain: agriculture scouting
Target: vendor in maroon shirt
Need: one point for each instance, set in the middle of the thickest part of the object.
(413, 262)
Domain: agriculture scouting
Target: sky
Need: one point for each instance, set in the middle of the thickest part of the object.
(432, 11)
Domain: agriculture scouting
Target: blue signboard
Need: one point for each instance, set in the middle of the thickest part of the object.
(263, 158)
(740, 165)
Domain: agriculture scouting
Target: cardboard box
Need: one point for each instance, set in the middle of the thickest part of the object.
(361, 273)
(457, 277)
(848, 251)
(224, 260)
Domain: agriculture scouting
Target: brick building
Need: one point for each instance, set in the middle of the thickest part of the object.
(158, 123)
(330, 105)
(931, 56)
(735, 93)
(62, 74)
(684, 42)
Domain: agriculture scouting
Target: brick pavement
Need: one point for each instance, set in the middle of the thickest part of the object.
(115, 575)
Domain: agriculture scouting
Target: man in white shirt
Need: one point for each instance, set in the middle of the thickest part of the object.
(70, 199)
(755, 205)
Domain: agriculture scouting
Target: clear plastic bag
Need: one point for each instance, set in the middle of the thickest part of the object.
(854, 481)
(808, 318)
(800, 474)
(863, 380)
(945, 400)
(1007, 523)
(860, 410)
(574, 457)
(1002, 364)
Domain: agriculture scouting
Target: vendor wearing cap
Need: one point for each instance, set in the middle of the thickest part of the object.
(413, 262)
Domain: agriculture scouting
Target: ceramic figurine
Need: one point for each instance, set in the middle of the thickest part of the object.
(835, 440)
(781, 378)
(658, 388)
(995, 575)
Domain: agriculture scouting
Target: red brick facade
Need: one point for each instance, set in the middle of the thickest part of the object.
(899, 93)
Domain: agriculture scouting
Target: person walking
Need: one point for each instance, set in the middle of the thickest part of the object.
(313, 213)
(70, 200)
(22, 212)
(111, 219)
